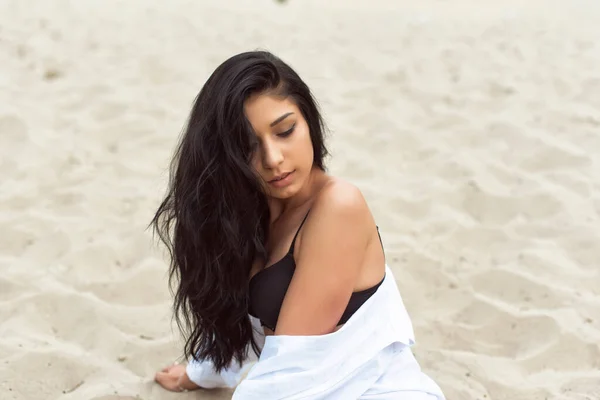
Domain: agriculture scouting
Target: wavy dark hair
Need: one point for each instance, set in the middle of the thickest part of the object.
(215, 217)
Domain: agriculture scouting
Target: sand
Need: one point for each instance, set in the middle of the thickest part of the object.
(473, 129)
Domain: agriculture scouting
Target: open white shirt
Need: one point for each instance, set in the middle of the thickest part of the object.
(369, 357)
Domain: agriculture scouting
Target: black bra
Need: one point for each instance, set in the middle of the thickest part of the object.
(269, 286)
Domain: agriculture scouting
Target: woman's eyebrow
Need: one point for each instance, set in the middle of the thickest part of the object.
(278, 120)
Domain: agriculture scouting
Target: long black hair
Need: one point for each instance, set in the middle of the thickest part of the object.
(214, 219)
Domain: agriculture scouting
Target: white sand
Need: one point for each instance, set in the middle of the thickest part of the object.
(472, 127)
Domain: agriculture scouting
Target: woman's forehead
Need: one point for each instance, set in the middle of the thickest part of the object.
(265, 111)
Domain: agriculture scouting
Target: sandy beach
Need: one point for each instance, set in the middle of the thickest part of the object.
(473, 129)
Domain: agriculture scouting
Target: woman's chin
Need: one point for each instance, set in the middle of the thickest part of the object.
(282, 194)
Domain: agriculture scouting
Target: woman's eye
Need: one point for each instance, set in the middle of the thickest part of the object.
(288, 132)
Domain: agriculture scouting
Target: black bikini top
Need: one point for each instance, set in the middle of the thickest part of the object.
(269, 286)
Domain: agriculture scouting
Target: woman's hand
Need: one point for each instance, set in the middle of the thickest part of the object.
(175, 379)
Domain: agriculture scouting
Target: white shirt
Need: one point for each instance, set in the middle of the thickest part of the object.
(369, 357)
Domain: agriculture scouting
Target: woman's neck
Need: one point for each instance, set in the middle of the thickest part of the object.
(315, 182)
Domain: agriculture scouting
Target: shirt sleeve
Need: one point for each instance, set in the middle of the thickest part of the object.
(203, 374)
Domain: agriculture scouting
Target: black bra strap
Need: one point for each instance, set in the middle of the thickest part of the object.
(380, 241)
(297, 232)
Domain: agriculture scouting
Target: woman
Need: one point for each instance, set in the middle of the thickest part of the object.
(273, 256)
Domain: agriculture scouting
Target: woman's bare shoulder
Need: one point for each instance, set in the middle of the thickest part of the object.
(339, 195)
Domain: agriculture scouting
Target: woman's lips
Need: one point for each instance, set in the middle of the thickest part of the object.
(282, 182)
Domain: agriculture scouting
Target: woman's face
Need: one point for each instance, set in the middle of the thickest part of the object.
(284, 154)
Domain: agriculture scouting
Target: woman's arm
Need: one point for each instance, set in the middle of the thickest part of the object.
(328, 262)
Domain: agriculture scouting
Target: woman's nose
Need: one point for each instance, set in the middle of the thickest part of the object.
(273, 156)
